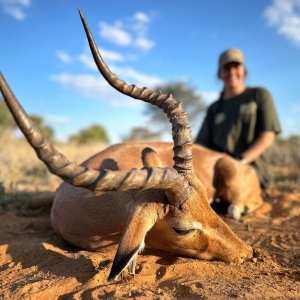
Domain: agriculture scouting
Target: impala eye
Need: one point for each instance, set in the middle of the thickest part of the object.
(183, 231)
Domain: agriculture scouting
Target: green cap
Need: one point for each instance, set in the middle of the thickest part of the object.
(231, 55)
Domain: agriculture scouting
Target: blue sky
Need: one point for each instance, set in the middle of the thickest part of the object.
(46, 60)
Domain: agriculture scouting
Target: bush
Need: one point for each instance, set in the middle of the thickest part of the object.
(142, 134)
(47, 131)
(6, 120)
(94, 133)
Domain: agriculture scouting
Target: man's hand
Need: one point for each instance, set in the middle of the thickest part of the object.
(260, 145)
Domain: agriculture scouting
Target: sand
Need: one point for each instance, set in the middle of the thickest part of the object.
(35, 263)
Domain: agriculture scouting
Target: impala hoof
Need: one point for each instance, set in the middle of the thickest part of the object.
(234, 212)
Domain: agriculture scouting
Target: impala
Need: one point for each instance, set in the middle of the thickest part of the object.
(131, 193)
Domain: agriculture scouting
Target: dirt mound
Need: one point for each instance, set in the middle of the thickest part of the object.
(35, 263)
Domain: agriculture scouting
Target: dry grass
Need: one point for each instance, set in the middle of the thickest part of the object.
(21, 170)
(285, 163)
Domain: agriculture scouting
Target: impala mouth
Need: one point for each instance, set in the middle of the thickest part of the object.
(243, 258)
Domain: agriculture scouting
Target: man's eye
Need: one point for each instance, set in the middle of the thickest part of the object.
(183, 231)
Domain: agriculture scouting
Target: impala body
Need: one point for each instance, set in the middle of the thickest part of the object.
(209, 236)
(135, 194)
(223, 177)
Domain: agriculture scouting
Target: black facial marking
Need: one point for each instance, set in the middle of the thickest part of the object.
(120, 262)
(183, 231)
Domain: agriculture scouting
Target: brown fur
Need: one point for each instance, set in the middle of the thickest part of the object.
(96, 221)
(223, 176)
(176, 215)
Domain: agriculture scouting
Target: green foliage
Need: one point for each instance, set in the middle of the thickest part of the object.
(6, 119)
(142, 134)
(94, 133)
(46, 129)
(7, 122)
(182, 92)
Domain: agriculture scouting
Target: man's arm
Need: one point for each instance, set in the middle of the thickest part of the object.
(260, 145)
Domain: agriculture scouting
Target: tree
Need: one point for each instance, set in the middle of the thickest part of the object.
(46, 129)
(7, 122)
(6, 119)
(182, 92)
(142, 134)
(94, 133)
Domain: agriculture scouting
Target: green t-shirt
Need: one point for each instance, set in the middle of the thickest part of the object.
(232, 125)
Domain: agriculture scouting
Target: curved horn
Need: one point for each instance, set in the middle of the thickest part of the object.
(102, 180)
(181, 130)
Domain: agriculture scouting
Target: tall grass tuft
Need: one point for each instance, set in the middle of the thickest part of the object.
(21, 170)
(285, 163)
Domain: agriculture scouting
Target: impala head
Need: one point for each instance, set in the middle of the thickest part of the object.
(191, 229)
(172, 209)
(194, 229)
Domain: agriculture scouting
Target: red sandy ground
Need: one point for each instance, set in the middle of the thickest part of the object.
(35, 263)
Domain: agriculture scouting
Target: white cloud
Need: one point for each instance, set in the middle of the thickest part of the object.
(285, 17)
(64, 57)
(126, 73)
(130, 32)
(139, 23)
(15, 8)
(87, 60)
(24, 3)
(141, 17)
(137, 78)
(210, 96)
(57, 119)
(115, 34)
(88, 85)
(140, 26)
(95, 87)
(144, 44)
(112, 55)
(15, 12)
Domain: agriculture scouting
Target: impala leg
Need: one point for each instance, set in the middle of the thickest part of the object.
(131, 267)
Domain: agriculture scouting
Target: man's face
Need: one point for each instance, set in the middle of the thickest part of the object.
(233, 74)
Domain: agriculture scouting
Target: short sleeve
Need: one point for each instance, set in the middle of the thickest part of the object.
(204, 134)
(267, 119)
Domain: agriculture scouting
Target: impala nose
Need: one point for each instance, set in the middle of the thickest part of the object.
(248, 254)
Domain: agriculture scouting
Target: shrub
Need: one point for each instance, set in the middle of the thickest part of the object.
(94, 133)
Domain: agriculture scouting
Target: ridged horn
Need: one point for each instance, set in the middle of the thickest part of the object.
(103, 180)
(181, 130)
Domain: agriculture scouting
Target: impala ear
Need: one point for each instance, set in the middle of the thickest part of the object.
(132, 242)
(150, 158)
